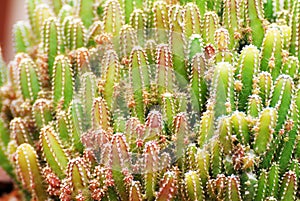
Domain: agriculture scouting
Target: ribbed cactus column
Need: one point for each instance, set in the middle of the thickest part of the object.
(295, 39)
(29, 172)
(222, 89)
(255, 18)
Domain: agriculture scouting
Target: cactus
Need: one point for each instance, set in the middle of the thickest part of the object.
(153, 100)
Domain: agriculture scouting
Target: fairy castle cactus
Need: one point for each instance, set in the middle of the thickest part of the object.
(153, 100)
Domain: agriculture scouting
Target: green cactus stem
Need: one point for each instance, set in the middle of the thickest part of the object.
(272, 51)
(53, 151)
(193, 186)
(140, 81)
(42, 111)
(222, 89)
(29, 172)
(29, 82)
(151, 156)
(294, 48)
(247, 68)
(256, 21)
(62, 82)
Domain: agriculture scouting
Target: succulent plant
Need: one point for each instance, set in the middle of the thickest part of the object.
(154, 100)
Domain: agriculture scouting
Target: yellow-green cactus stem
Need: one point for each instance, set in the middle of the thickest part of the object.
(77, 179)
(113, 17)
(29, 171)
(206, 129)
(232, 20)
(202, 5)
(249, 184)
(288, 186)
(193, 186)
(264, 85)
(57, 5)
(139, 75)
(169, 108)
(42, 112)
(271, 52)
(168, 187)
(74, 33)
(273, 181)
(138, 20)
(22, 36)
(120, 164)
(31, 6)
(246, 69)
(254, 105)
(151, 157)
(240, 127)
(216, 157)
(41, 13)
(62, 82)
(20, 131)
(128, 40)
(165, 76)
(53, 151)
(209, 26)
(132, 131)
(88, 93)
(289, 141)
(28, 79)
(190, 152)
(264, 129)
(225, 140)
(233, 189)
(271, 8)
(52, 41)
(291, 67)
(222, 40)
(110, 77)
(128, 7)
(282, 97)
(286, 33)
(84, 9)
(161, 21)
(281, 101)
(261, 186)
(100, 114)
(222, 89)
(63, 126)
(297, 101)
(192, 19)
(64, 12)
(177, 43)
(203, 166)
(195, 45)
(256, 21)
(181, 128)
(75, 116)
(198, 84)
(295, 39)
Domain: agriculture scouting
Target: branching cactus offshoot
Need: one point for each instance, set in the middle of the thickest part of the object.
(153, 100)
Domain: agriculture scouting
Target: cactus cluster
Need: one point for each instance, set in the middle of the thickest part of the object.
(160, 100)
